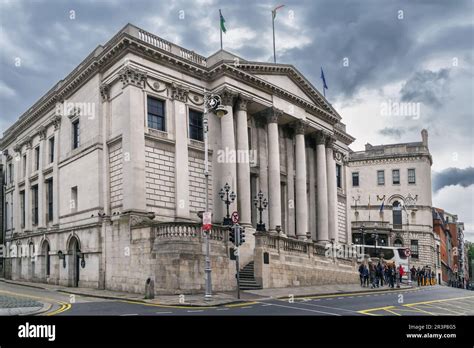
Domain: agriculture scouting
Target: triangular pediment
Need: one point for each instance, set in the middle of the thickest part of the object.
(285, 82)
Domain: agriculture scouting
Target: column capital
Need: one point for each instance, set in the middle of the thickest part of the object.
(105, 91)
(242, 102)
(179, 92)
(227, 97)
(321, 137)
(132, 76)
(273, 114)
(300, 126)
(56, 121)
(330, 141)
(17, 148)
(27, 142)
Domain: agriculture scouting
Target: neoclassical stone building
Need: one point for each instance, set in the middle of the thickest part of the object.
(105, 173)
(399, 176)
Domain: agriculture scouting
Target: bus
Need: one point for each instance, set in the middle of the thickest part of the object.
(387, 254)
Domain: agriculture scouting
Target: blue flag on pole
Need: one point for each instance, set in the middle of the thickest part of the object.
(325, 86)
(382, 206)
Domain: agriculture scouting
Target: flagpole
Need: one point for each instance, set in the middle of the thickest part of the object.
(273, 27)
(220, 27)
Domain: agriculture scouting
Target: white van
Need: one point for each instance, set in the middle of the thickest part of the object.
(388, 254)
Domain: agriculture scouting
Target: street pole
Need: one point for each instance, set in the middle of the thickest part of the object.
(207, 270)
(236, 228)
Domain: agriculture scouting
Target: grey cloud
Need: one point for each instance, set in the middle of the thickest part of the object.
(392, 132)
(453, 176)
(428, 87)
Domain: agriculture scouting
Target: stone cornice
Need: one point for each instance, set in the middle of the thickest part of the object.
(132, 76)
(389, 159)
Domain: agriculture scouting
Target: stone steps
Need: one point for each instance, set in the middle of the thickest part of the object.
(247, 278)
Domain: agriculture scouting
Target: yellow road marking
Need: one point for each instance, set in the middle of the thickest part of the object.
(166, 306)
(366, 311)
(241, 304)
(443, 308)
(349, 294)
(435, 301)
(63, 305)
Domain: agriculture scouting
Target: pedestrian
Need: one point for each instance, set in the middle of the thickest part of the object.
(366, 276)
(418, 275)
(401, 272)
(413, 273)
(372, 275)
(379, 274)
(361, 274)
(433, 277)
(397, 275)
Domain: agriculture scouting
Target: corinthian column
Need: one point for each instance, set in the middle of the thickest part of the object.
(321, 181)
(226, 155)
(332, 190)
(300, 181)
(274, 193)
(243, 164)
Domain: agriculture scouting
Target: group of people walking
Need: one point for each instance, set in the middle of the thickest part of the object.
(423, 276)
(376, 275)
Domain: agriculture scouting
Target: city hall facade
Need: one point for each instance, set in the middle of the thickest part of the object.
(105, 179)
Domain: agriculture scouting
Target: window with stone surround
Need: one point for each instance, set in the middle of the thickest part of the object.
(22, 209)
(51, 149)
(75, 134)
(49, 199)
(414, 248)
(196, 130)
(411, 176)
(10, 172)
(396, 177)
(380, 177)
(37, 157)
(355, 179)
(34, 203)
(156, 114)
(338, 176)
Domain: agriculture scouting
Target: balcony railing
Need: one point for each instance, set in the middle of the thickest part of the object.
(188, 230)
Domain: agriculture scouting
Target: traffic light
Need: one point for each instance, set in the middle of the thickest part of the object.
(242, 235)
(231, 235)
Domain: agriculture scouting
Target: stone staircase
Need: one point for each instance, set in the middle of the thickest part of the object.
(247, 279)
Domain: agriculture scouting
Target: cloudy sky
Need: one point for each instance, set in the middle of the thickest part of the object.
(378, 57)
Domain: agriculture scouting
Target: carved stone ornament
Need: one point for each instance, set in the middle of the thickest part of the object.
(42, 132)
(227, 97)
(105, 91)
(28, 143)
(17, 148)
(273, 114)
(321, 137)
(242, 102)
(299, 126)
(56, 121)
(179, 92)
(132, 76)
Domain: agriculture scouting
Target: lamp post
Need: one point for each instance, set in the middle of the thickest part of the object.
(227, 196)
(409, 201)
(212, 103)
(261, 204)
(375, 236)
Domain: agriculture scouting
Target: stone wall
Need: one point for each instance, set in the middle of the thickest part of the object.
(116, 174)
(160, 178)
(342, 219)
(298, 263)
(197, 186)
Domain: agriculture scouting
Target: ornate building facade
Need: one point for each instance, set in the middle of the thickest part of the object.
(390, 192)
(105, 173)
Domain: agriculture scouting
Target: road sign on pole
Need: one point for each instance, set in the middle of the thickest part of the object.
(235, 217)
(206, 221)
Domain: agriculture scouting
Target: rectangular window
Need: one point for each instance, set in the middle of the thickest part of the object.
(22, 208)
(49, 199)
(51, 150)
(73, 203)
(338, 176)
(355, 179)
(414, 248)
(380, 177)
(34, 201)
(10, 172)
(396, 177)
(156, 114)
(75, 134)
(37, 157)
(196, 130)
(411, 176)
(24, 166)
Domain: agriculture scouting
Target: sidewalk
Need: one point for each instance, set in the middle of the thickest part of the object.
(218, 299)
(320, 290)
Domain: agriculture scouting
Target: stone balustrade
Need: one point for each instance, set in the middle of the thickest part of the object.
(191, 230)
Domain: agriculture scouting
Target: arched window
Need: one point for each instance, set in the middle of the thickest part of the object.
(47, 258)
(397, 215)
(397, 242)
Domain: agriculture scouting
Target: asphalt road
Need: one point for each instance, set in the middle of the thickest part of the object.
(427, 301)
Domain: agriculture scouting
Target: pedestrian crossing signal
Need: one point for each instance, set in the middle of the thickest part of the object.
(232, 235)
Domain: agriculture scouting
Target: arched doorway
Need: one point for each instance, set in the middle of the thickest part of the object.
(74, 252)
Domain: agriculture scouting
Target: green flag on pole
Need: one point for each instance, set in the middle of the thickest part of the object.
(222, 22)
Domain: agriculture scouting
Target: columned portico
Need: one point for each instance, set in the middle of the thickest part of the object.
(300, 181)
(310, 154)
(332, 190)
(274, 193)
(243, 163)
(321, 181)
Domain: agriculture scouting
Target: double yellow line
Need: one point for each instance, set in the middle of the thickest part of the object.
(63, 305)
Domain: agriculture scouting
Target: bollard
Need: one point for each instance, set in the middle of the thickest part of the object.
(149, 289)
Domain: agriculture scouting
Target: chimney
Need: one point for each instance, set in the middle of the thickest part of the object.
(368, 147)
(424, 137)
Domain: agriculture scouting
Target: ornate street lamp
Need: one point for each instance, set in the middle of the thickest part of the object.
(261, 204)
(227, 198)
(212, 103)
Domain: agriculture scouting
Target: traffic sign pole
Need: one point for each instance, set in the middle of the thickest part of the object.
(236, 228)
